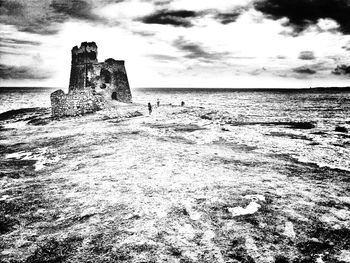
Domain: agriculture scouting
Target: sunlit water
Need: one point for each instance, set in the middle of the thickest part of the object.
(321, 145)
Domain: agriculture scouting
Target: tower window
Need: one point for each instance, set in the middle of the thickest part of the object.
(105, 76)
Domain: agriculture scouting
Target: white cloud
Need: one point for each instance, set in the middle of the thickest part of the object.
(126, 10)
(327, 24)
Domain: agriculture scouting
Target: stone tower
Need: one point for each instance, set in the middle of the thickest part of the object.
(92, 84)
(107, 78)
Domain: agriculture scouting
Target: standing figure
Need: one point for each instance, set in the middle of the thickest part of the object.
(158, 102)
(149, 108)
(182, 103)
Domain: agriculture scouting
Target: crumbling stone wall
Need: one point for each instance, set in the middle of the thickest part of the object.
(92, 84)
(75, 103)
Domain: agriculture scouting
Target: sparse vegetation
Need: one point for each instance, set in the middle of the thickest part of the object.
(152, 189)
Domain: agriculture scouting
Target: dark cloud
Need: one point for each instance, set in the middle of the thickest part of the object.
(78, 9)
(304, 70)
(302, 13)
(45, 17)
(17, 47)
(23, 72)
(29, 16)
(167, 17)
(342, 70)
(227, 18)
(196, 51)
(306, 55)
(13, 42)
(230, 17)
(162, 2)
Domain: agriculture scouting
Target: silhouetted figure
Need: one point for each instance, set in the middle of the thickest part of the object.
(182, 103)
(158, 102)
(149, 108)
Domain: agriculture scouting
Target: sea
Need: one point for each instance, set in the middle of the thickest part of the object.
(301, 124)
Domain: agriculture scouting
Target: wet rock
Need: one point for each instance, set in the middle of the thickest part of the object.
(341, 129)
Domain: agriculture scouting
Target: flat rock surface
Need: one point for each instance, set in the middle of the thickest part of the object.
(123, 186)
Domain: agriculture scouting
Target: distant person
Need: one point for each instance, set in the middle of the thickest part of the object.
(149, 108)
(182, 103)
(158, 102)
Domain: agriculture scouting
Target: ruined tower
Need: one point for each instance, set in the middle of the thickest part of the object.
(108, 78)
(92, 84)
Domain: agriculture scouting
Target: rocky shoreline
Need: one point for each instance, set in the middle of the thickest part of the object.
(123, 186)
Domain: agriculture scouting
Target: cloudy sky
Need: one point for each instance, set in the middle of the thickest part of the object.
(180, 43)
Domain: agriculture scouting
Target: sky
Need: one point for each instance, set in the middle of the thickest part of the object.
(180, 43)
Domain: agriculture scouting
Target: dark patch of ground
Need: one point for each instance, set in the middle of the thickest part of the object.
(178, 127)
(231, 121)
(341, 129)
(311, 170)
(23, 114)
(292, 125)
(321, 239)
(237, 251)
(14, 168)
(20, 207)
(40, 121)
(53, 250)
(128, 115)
(290, 135)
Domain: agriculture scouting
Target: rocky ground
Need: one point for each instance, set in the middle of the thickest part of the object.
(122, 186)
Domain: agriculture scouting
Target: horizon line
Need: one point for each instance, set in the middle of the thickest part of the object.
(227, 88)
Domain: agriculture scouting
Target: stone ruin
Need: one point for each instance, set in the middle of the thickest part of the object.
(92, 84)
